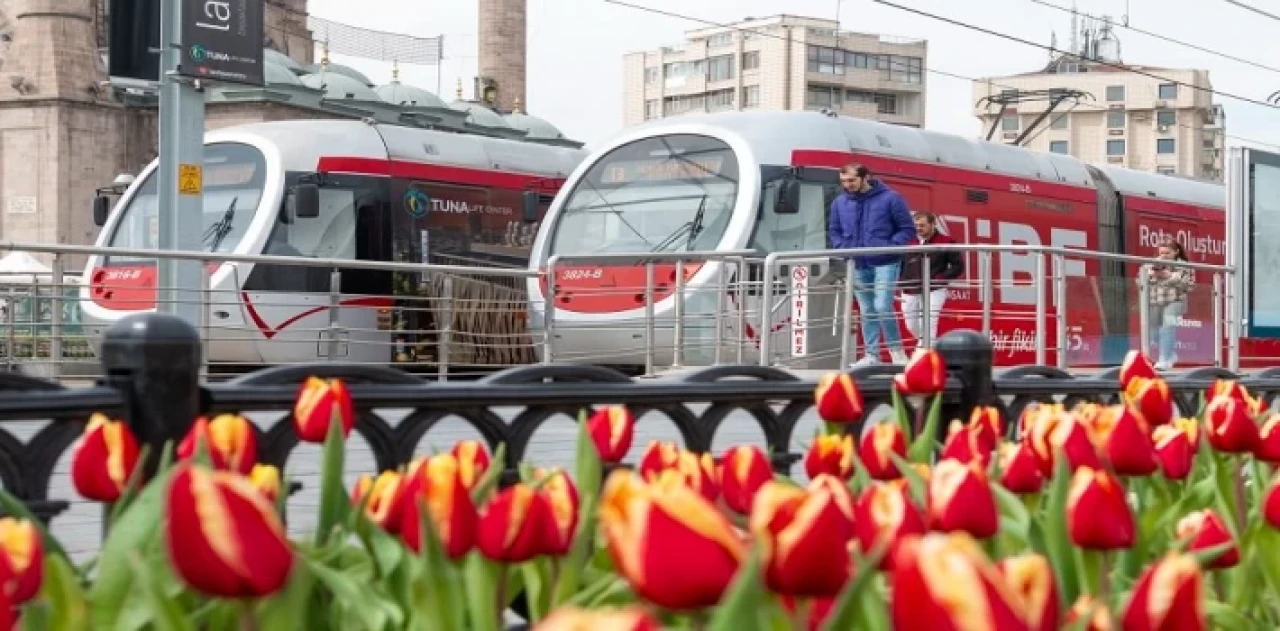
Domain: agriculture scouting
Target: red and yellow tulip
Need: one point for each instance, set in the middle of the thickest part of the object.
(266, 478)
(1169, 596)
(574, 619)
(838, 399)
(876, 448)
(611, 430)
(564, 503)
(699, 472)
(960, 499)
(105, 459)
(473, 461)
(806, 537)
(925, 374)
(1268, 449)
(229, 439)
(437, 484)
(745, 470)
(945, 583)
(967, 443)
(1020, 469)
(1031, 577)
(884, 515)
(1176, 446)
(1098, 514)
(21, 560)
(1230, 424)
(830, 454)
(988, 423)
(516, 526)
(1097, 614)
(1121, 434)
(381, 497)
(321, 403)
(1203, 530)
(1152, 398)
(1135, 365)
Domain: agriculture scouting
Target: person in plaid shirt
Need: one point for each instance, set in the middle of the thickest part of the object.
(1167, 291)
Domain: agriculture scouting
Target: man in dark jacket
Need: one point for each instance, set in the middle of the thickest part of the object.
(871, 215)
(943, 268)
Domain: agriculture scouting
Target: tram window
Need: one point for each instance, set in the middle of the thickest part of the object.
(805, 230)
(331, 235)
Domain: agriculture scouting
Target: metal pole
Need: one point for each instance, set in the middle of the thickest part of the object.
(1060, 308)
(11, 319)
(926, 337)
(1037, 282)
(1235, 309)
(984, 290)
(335, 304)
(741, 288)
(678, 334)
(55, 318)
(446, 328)
(181, 171)
(1217, 320)
(722, 296)
(1144, 309)
(649, 329)
(549, 314)
(206, 321)
(766, 310)
(846, 306)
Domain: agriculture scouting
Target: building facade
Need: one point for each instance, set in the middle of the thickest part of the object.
(1123, 116)
(779, 63)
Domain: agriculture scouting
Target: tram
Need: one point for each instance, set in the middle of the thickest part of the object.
(764, 181)
(348, 190)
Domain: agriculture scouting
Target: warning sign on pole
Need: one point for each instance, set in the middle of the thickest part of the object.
(190, 179)
(799, 311)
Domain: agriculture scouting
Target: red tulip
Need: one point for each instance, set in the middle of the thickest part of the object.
(745, 470)
(266, 478)
(1268, 449)
(1271, 504)
(320, 404)
(945, 583)
(838, 399)
(836, 487)
(699, 472)
(1135, 365)
(562, 498)
(229, 439)
(1205, 529)
(884, 514)
(611, 430)
(437, 484)
(1153, 398)
(830, 454)
(516, 526)
(105, 460)
(385, 504)
(1019, 469)
(21, 560)
(960, 499)
(806, 535)
(224, 538)
(876, 449)
(1122, 435)
(473, 461)
(670, 544)
(925, 374)
(1098, 615)
(967, 443)
(988, 423)
(1098, 515)
(574, 619)
(1053, 430)
(1031, 577)
(1169, 596)
(1235, 390)
(1231, 426)
(1176, 446)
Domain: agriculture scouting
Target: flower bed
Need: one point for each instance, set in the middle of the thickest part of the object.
(1097, 517)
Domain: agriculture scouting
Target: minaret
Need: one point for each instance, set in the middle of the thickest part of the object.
(54, 53)
(502, 50)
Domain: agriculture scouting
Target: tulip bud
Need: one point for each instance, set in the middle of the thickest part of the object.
(516, 525)
(1097, 614)
(1205, 529)
(473, 461)
(1176, 446)
(960, 499)
(105, 460)
(987, 422)
(876, 448)
(383, 506)
(611, 430)
(266, 478)
(229, 439)
(1271, 504)
(884, 514)
(1235, 390)
(746, 469)
(1056, 430)
(838, 399)
(1231, 426)
(925, 374)
(1152, 398)
(437, 484)
(321, 403)
(647, 525)
(946, 582)
(1168, 595)
(699, 472)
(806, 535)
(21, 560)
(562, 499)
(830, 454)
(1031, 577)
(1098, 515)
(1019, 469)
(1268, 449)
(574, 619)
(967, 444)
(836, 487)
(1136, 365)
(1121, 434)
(224, 538)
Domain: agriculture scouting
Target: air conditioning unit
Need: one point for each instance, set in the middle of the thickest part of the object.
(1141, 116)
(1115, 159)
(1163, 128)
(1162, 105)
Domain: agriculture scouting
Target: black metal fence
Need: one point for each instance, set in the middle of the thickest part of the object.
(152, 381)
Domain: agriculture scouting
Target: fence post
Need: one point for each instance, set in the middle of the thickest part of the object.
(153, 360)
(968, 355)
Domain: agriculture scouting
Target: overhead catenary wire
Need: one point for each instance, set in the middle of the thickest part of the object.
(1247, 7)
(926, 67)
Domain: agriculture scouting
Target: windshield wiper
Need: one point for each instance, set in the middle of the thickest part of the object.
(221, 228)
(695, 226)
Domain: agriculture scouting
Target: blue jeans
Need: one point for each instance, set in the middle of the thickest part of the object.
(1164, 318)
(874, 288)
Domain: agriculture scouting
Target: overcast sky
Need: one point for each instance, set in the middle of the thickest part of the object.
(576, 48)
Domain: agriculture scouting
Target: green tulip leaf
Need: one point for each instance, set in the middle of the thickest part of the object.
(290, 608)
(923, 446)
(1057, 540)
(900, 412)
(573, 566)
(588, 470)
(738, 608)
(846, 611)
(132, 486)
(166, 615)
(438, 577)
(1225, 618)
(489, 481)
(334, 500)
(1014, 518)
(919, 488)
(61, 591)
(362, 603)
(481, 577)
(138, 529)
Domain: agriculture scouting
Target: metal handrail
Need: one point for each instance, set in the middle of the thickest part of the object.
(774, 257)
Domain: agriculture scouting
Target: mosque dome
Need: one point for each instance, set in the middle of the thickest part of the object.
(535, 128)
(339, 69)
(339, 86)
(397, 93)
(279, 74)
(480, 115)
(273, 56)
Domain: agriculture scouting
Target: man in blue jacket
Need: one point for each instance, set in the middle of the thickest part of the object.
(871, 215)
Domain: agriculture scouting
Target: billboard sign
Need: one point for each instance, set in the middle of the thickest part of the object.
(134, 41)
(222, 40)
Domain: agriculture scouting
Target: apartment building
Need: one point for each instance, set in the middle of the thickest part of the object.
(782, 62)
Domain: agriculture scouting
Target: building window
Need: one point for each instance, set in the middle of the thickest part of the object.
(751, 60)
(822, 96)
(651, 74)
(905, 69)
(720, 100)
(1165, 146)
(673, 105)
(886, 103)
(1010, 123)
(1115, 147)
(751, 96)
(652, 109)
(720, 68)
(1168, 91)
(1166, 118)
(1115, 120)
(721, 39)
(1059, 121)
(1167, 170)
(826, 60)
(858, 60)
(1115, 93)
(1058, 146)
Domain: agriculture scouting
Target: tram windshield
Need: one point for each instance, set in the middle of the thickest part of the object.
(662, 194)
(233, 178)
